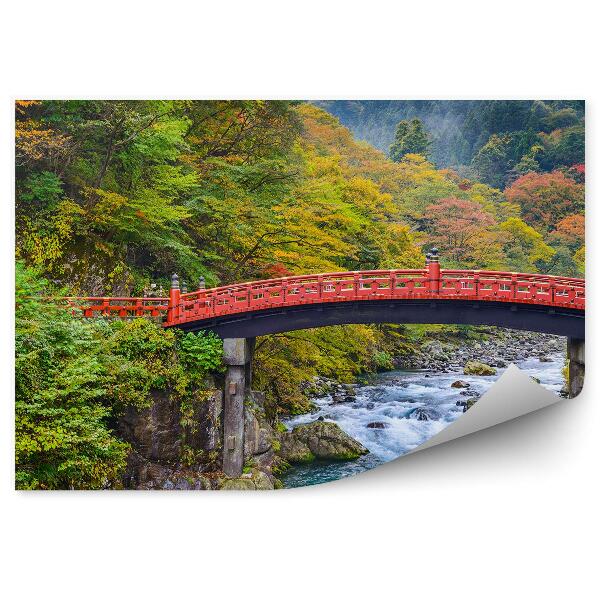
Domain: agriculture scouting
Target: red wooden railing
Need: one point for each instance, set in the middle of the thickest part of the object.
(429, 283)
(118, 306)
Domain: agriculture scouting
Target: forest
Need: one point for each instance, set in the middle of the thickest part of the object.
(114, 196)
(493, 141)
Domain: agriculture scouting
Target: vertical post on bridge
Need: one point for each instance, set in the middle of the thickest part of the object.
(174, 298)
(433, 268)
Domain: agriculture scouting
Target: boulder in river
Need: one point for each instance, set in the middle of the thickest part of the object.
(469, 393)
(474, 367)
(377, 425)
(319, 439)
(470, 403)
(546, 359)
(459, 383)
(340, 397)
(423, 414)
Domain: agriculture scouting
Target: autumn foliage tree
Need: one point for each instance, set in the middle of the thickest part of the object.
(455, 224)
(523, 246)
(546, 198)
(111, 195)
(570, 232)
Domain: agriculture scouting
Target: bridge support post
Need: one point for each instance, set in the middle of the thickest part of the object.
(576, 356)
(237, 356)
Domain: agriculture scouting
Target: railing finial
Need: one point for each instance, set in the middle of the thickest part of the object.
(434, 255)
(183, 287)
(201, 283)
(174, 281)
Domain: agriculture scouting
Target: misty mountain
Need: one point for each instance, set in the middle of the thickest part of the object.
(458, 129)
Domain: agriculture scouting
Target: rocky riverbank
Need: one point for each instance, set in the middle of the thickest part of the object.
(494, 350)
(498, 349)
(472, 356)
(170, 451)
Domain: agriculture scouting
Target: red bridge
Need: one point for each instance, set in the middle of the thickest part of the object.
(522, 301)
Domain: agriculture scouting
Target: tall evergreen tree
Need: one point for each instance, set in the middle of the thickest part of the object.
(411, 138)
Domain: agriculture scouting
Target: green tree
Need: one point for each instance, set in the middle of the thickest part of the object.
(411, 138)
(562, 263)
(524, 247)
(579, 258)
(493, 160)
(62, 437)
(74, 377)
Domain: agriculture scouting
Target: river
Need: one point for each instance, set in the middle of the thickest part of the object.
(394, 400)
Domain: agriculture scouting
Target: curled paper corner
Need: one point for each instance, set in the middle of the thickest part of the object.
(513, 395)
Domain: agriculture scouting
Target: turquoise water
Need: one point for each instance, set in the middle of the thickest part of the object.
(392, 399)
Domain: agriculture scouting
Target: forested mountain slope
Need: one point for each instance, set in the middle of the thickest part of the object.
(498, 139)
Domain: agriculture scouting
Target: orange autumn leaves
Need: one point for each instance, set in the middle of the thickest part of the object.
(546, 198)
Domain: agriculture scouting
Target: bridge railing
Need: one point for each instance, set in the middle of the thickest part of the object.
(520, 287)
(429, 283)
(379, 285)
(121, 307)
(306, 289)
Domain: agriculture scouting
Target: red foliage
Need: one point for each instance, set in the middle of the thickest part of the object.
(577, 172)
(545, 198)
(277, 270)
(570, 231)
(455, 223)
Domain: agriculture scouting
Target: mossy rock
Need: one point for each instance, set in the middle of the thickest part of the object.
(279, 466)
(471, 402)
(319, 439)
(240, 483)
(256, 480)
(294, 450)
(474, 367)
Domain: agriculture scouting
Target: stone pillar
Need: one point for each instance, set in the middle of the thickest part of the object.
(576, 356)
(237, 357)
(250, 344)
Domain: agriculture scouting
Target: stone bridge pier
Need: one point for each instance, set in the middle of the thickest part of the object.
(576, 356)
(237, 356)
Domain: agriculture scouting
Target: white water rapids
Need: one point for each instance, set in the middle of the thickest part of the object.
(391, 402)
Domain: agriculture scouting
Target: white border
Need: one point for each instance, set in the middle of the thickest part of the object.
(507, 513)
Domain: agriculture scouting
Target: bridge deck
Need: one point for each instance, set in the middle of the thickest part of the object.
(207, 308)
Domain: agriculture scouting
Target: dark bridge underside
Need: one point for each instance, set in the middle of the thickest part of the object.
(530, 317)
